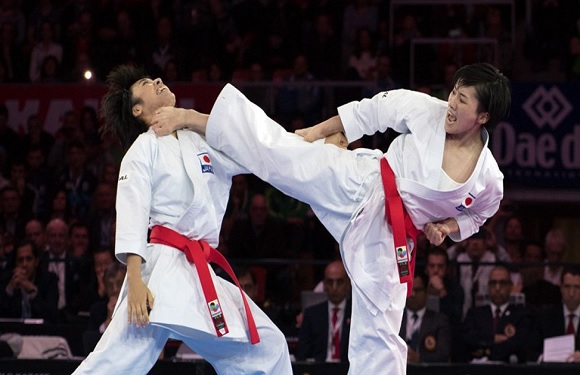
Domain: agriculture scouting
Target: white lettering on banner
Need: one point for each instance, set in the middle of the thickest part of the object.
(571, 149)
(531, 151)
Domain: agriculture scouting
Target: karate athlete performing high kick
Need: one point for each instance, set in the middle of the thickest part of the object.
(178, 187)
(439, 167)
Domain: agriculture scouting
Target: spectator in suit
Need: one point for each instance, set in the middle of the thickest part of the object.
(561, 319)
(441, 286)
(102, 215)
(93, 287)
(258, 236)
(78, 181)
(31, 292)
(444, 293)
(539, 292)
(473, 275)
(39, 176)
(59, 260)
(102, 310)
(500, 330)
(321, 336)
(12, 218)
(6, 257)
(427, 333)
(555, 246)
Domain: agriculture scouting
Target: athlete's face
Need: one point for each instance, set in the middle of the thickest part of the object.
(463, 114)
(153, 94)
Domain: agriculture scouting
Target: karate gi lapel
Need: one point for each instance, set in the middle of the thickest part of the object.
(192, 161)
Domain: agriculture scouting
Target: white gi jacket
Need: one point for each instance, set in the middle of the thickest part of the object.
(186, 189)
(345, 191)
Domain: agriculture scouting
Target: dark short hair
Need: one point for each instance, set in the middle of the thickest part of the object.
(35, 249)
(117, 105)
(573, 269)
(492, 89)
(113, 268)
(438, 250)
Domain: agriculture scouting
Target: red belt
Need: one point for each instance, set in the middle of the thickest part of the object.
(200, 254)
(401, 225)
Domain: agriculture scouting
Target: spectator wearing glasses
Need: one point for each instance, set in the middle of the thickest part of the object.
(498, 331)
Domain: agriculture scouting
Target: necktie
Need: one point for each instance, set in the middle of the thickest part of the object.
(415, 334)
(496, 319)
(56, 266)
(475, 285)
(570, 329)
(335, 335)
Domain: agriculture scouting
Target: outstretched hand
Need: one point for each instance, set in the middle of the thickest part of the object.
(166, 120)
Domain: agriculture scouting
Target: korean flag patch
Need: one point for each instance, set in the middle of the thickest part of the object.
(205, 162)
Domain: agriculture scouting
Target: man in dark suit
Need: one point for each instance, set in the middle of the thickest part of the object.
(427, 333)
(499, 330)
(324, 332)
(59, 260)
(561, 319)
(30, 292)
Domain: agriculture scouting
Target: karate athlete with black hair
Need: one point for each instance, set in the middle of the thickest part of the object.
(438, 176)
(177, 187)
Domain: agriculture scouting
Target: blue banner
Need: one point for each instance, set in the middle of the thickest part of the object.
(539, 143)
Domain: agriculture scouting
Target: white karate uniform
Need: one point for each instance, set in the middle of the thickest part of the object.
(184, 185)
(344, 188)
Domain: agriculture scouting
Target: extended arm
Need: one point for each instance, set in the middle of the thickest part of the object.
(322, 130)
(168, 119)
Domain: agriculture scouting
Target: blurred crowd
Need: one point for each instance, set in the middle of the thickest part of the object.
(217, 40)
(57, 191)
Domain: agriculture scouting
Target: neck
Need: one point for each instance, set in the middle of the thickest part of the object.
(471, 139)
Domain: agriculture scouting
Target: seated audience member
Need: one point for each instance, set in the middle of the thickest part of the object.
(441, 286)
(6, 258)
(324, 332)
(34, 231)
(13, 218)
(555, 247)
(498, 331)
(31, 292)
(427, 333)
(539, 293)
(444, 294)
(561, 319)
(93, 287)
(102, 310)
(81, 247)
(258, 236)
(513, 236)
(102, 215)
(59, 260)
(473, 276)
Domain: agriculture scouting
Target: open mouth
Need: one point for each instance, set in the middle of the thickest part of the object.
(450, 117)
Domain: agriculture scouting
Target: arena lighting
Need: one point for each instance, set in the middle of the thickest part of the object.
(88, 74)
